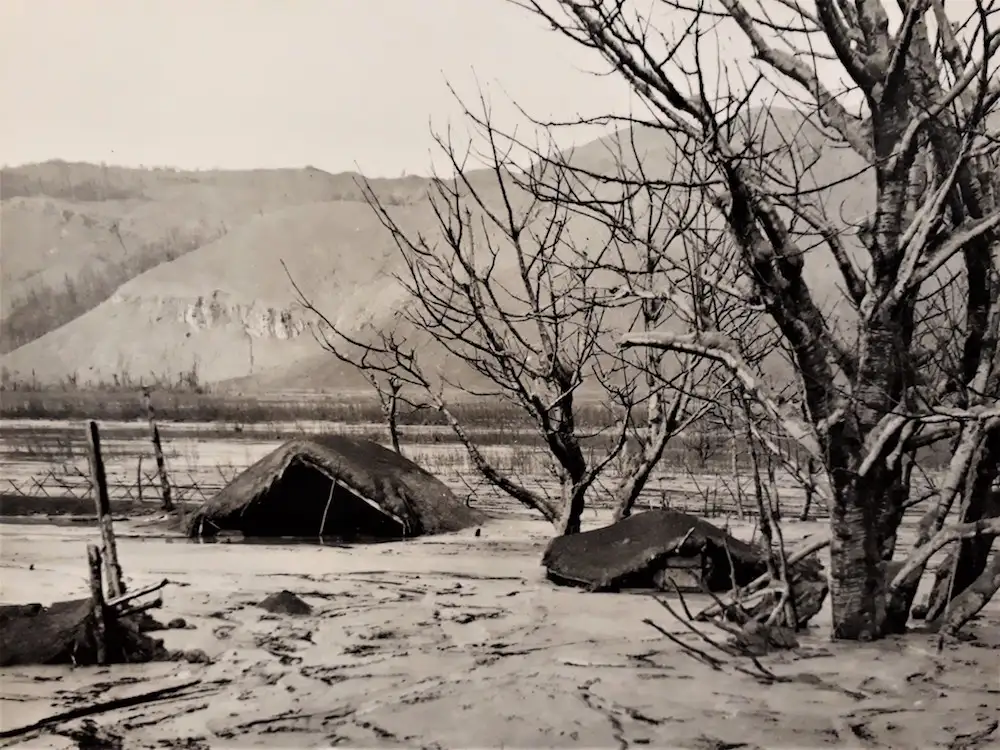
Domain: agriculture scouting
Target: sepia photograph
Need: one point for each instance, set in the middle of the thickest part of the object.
(460, 374)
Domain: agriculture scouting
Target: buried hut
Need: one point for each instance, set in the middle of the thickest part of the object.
(664, 549)
(335, 487)
(654, 550)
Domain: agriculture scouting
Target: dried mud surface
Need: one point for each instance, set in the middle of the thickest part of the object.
(458, 641)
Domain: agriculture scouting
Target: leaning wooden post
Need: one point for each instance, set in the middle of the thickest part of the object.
(138, 480)
(97, 596)
(161, 465)
(322, 523)
(100, 484)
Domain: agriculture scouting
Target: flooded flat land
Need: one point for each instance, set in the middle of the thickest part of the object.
(449, 641)
(459, 641)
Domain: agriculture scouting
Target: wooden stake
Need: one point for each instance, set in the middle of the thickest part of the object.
(138, 479)
(97, 596)
(161, 464)
(100, 483)
(322, 524)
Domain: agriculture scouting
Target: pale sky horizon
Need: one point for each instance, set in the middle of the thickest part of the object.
(235, 84)
(336, 84)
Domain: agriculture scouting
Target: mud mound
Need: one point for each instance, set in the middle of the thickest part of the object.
(285, 603)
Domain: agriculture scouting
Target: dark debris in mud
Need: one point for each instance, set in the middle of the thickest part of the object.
(285, 603)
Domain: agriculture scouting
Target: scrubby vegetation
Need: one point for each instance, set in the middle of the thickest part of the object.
(80, 182)
(186, 400)
(122, 222)
(44, 308)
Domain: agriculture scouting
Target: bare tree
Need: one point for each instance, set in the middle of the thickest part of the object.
(489, 288)
(390, 363)
(516, 282)
(651, 287)
(926, 87)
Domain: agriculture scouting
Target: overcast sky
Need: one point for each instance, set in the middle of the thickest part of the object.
(267, 83)
(254, 83)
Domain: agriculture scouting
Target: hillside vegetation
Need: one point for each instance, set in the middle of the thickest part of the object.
(72, 234)
(113, 274)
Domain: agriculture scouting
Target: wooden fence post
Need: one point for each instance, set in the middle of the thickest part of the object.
(161, 464)
(100, 487)
(138, 480)
(97, 596)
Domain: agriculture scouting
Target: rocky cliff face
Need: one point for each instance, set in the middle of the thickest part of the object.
(217, 310)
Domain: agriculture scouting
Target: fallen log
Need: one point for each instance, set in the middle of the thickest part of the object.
(98, 708)
(765, 607)
(81, 631)
(126, 598)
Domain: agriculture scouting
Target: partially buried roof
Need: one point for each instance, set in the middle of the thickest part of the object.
(335, 487)
(630, 552)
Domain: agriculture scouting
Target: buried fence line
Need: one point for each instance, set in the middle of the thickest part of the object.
(711, 501)
(707, 502)
(186, 487)
(708, 496)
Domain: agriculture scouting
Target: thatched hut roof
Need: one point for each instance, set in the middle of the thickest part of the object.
(631, 552)
(337, 487)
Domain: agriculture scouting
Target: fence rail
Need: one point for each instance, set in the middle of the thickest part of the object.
(715, 497)
(186, 487)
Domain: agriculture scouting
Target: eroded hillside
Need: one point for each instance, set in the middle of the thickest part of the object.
(72, 234)
(184, 272)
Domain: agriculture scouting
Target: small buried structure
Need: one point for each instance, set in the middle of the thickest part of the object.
(69, 632)
(666, 550)
(108, 627)
(334, 487)
(657, 549)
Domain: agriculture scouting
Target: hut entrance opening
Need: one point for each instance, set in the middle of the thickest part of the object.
(305, 501)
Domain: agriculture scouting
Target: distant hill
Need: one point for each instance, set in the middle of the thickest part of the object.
(73, 233)
(111, 273)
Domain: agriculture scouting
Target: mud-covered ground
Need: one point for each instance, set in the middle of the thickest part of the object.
(458, 641)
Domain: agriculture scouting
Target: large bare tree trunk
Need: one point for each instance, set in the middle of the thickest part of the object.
(866, 508)
(575, 476)
(574, 492)
(569, 520)
(897, 607)
(856, 570)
